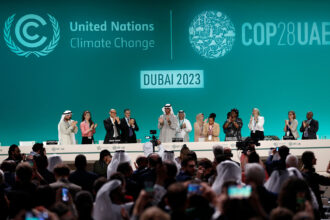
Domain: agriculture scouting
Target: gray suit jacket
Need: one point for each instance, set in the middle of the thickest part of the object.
(293, 127)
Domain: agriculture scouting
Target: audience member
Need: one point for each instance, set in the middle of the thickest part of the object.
(81, 176)
(100, 166)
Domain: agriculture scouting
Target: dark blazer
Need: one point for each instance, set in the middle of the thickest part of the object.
(109, 128)
(125, 138)
(84, 179)
(313, 128)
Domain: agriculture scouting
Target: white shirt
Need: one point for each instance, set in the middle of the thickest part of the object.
(184, 133)
(257, 126)
(127, 121)
(115, 132)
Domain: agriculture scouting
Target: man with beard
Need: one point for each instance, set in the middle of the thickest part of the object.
(67, 129)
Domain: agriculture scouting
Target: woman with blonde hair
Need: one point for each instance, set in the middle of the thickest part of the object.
(256, 125)
(198, 128)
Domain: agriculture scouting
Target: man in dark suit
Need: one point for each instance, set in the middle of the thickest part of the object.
(128, 128)
(81, 176)
(309, 127)
(112, 126)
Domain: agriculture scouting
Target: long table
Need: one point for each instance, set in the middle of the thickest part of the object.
(321, 149)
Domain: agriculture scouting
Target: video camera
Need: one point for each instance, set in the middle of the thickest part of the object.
(153, 139)
(247, 144)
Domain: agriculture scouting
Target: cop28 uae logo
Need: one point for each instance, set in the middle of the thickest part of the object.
(25, 33)
(212, 34)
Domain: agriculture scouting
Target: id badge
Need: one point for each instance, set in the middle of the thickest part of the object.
(89, 138)
(210, 138)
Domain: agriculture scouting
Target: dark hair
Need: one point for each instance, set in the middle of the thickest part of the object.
(307, 159)
(98, 183)
(235, 110)
(213, 115)
(60, 209)
(84, 204)
(45, 196)
(11, 149)
(152, 161)
(228, 114)
(90, 119)
(186, 160)
(38, 147)
(124, 168)
(41, 161)
(104, 153)
(288, 194)
(171, 169)
(176, 196)
(253, 157)
(24, 172)
(126, 109)
(61, 169)
(118, 176)
(142, 161)
(206, 163)
(80, 162)
(184, 151)
(8, 166)
(192, 155)
(281, 213)
(283, 151)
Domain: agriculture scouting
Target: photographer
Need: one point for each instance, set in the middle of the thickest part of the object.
(247, 146)
(277, 164)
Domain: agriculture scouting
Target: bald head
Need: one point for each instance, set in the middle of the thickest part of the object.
(309, 115)
(153, 160)
(254, 173)
(291, 161)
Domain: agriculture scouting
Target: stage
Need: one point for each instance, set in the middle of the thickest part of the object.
(321, 148)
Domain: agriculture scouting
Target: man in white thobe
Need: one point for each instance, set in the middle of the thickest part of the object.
(184, 127)
(67, 129)
(167, 124)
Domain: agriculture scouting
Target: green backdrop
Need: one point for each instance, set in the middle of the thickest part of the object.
(275, 78)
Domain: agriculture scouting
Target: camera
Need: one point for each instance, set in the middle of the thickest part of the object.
(153, 139)
(247, 144)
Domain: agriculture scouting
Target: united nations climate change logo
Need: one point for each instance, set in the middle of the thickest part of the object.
(212, 34)
(25, 33)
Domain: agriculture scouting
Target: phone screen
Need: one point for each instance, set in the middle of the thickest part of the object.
(39, 216)
(239, 192)
(149, 188)
(65, 197)
(300, 203)
(194, 188)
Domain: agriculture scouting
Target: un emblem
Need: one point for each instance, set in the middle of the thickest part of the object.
(25, 33)
(212, 34)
